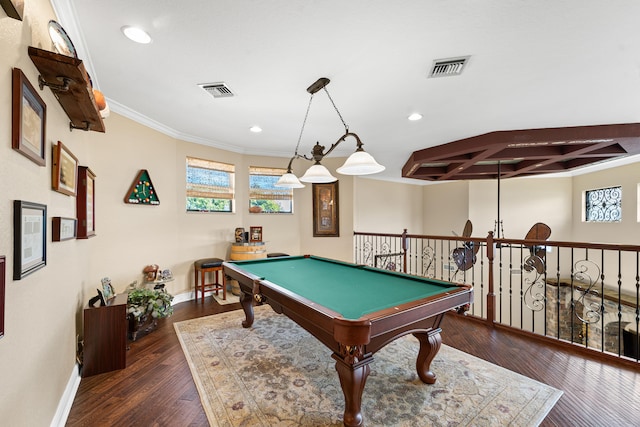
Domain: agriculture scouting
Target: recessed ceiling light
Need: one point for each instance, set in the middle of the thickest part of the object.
(415, 116)
(255, 129)
(136, 34)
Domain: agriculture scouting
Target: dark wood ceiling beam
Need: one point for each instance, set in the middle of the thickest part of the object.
(478, 157)
(547, 149)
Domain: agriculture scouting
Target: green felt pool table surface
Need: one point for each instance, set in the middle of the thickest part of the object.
(353, 291)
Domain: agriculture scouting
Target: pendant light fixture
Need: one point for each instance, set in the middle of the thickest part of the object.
(359, 163)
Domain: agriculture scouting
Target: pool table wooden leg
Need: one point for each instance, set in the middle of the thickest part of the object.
(430, 343)
(352, 378)
(247, 305)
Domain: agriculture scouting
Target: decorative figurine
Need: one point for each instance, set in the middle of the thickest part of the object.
(151, 272)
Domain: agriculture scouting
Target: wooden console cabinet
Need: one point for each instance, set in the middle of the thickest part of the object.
(105, 337)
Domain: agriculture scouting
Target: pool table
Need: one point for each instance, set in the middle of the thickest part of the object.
(352, 309)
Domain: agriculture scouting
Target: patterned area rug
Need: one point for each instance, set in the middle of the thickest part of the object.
(277, 374)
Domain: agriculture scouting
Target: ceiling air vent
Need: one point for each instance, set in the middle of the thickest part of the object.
(448, 67)
(217, 90)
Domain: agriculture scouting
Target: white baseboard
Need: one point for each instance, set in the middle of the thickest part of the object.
(185, 296)
(66, 401)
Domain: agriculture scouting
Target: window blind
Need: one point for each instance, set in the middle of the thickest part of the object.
(206, 178)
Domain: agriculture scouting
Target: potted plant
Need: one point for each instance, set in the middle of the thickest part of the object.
(145, 307)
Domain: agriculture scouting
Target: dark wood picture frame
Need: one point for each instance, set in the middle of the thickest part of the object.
(86, 203)
(64, 171)
(63, 228)
(3, 262)
(29, 238)
(326, 214)
(29, 114)
(255, 234)
(13, 8)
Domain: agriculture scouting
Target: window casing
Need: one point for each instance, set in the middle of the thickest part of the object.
(210, 186)
(264, 196)
(603, 205)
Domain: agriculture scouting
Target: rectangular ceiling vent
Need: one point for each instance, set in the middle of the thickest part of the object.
(448, 67)
(217, 90)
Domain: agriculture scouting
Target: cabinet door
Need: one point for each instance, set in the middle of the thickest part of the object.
(105, 337)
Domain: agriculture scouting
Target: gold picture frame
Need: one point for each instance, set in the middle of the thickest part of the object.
(326, 214)
(64, 172)
(29, 113)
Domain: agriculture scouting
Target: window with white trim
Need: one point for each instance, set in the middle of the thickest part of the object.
(264, 196)
(603, 205)
(210, 186)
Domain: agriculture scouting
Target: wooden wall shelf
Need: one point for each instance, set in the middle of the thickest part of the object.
(69, 82)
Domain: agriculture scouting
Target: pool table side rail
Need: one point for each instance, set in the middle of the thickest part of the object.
(331, 328)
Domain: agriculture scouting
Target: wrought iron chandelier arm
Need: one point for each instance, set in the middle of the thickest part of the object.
(333, 146)
(297, 156)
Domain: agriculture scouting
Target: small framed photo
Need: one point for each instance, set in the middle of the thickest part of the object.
(28, 112)
(107, 289)
(63, 228)
(326, 218)
(64, 170)
(29, 238)
(255, 234)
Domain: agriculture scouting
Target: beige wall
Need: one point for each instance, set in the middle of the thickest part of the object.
(626, 231)
(43, 310)
(38, 349)
(446, 208)
(523, 202)
(387, 207)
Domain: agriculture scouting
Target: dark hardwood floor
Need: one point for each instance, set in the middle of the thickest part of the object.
(156, 388)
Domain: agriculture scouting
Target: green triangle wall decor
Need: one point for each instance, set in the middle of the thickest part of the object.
(142, 191)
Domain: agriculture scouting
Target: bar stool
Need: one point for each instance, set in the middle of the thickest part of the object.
(204, 266)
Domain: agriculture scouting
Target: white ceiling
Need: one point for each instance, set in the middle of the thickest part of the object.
(544, 63)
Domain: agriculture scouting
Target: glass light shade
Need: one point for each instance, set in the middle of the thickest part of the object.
(360, 163)
(318, 174)
(289, 180)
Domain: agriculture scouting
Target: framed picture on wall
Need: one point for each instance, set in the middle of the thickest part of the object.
(64, 170)
(63, 229)
(326, 219)
(28, 114)
(86, 203)
(2, 282)
(29, 238)
(255, 234)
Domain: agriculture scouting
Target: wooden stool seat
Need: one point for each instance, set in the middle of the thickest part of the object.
(276, 255)
(204, 266)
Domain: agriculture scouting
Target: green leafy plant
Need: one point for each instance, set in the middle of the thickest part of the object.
(144, 302)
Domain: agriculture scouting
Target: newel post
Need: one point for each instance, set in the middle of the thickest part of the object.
(491, 296)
